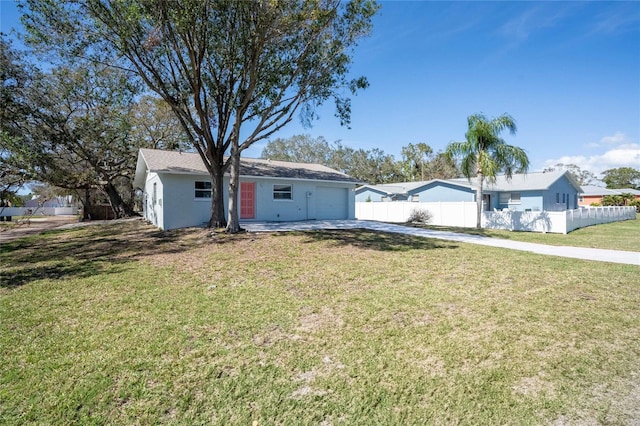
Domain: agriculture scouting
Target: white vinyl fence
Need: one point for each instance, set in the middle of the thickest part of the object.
(594, 215)
(39, 211)
(463, 214)
(457, 213)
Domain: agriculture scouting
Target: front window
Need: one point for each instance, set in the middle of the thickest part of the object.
(203, 189)
(509, 198)
(282, 192)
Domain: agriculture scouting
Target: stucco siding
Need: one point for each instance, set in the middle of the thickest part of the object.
(153, 200)
(529, 200)
(181, 207)
(590, 199)
(307, 197)
(561, 192)
(299, 207)
(176, 204)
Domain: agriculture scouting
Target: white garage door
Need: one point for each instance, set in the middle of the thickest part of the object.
(332, 203)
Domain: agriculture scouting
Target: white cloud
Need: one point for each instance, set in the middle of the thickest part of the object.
(625, 155)
(616, 139)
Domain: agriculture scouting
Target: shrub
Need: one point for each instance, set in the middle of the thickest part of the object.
(636, 204)
(613, 200)
(596, 204)
(418, 215)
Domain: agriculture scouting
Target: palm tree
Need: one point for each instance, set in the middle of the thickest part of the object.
(485, 154)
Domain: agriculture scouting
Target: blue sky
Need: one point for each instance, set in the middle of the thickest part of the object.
(568, 72)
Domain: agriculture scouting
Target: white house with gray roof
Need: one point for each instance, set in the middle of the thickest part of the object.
(177, 190)
(550, 191)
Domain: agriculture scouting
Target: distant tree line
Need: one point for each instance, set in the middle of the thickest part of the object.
(373, 166)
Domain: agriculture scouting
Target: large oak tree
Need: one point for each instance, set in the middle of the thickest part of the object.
(233, 72)
(69, 128)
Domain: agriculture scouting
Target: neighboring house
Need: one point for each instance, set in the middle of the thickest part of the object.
(56, 202)
(532, 191)
(177, 190)
(593, 194)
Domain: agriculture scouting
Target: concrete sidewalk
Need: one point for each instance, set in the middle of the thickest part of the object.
(601, 255)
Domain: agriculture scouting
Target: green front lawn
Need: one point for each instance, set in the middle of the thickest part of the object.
(122, 324)
(624, 235)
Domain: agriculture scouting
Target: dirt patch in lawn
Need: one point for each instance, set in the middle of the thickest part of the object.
(10, 231)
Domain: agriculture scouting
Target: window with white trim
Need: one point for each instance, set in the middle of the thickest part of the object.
(509, 198)
(202, 189)
(282, 192)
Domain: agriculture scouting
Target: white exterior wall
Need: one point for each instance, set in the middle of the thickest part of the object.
(152, 208)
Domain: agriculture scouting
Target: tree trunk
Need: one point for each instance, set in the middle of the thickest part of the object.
(234, 185)
(217, 219)
(479, 201)
(119, 207)
(86, 206)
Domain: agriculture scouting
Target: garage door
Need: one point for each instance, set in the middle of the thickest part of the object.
(332, 203)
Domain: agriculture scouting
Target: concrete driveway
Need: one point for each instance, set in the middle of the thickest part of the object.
(601, 255)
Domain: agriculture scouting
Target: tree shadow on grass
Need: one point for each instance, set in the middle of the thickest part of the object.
(378, 240)
(459, 230)
(88, 251)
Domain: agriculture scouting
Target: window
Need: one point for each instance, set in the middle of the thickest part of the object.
(581, 198)
(282, 192)
(557, 197)
(203, 189)
(509, 198)
(154, 196)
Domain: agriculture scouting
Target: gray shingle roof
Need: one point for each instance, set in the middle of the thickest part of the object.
(191, 163)
(599, 190)
(518, 182)
(523, 182)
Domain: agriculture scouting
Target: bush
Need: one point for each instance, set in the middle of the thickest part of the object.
(419, 216)
(596, 204)
(636, 204)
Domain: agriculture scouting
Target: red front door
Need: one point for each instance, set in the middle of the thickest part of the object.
(247, 200)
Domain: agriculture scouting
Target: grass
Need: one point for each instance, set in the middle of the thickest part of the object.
(624, 235)
(122, 324)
